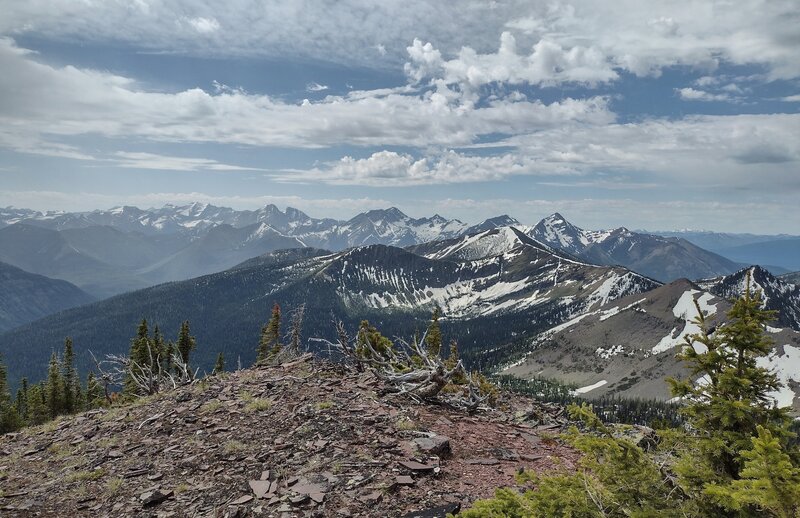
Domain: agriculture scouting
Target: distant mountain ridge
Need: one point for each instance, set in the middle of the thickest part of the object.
(107, 252)
(506, 287)
(661, 258)
(27, 297)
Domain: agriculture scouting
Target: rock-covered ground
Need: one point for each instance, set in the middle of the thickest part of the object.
(302, 439)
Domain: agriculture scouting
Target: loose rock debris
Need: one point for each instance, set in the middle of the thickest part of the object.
(303, 440)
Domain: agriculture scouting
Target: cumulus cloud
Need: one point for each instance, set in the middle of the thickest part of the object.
(547, 63)
(38, 99)
(640, 37)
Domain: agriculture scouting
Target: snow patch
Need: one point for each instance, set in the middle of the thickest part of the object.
(589, 388)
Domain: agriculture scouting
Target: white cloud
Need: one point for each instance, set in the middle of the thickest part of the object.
(139, 160)
(547, 63)
(692, 94)
(717, 152)
(391, 169)
(37, 99)
(204, 25)
(316, 87)
(640, 37)
(791, 98)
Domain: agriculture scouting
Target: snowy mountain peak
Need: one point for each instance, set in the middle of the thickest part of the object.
(296, 214)
(555, 230)
(776, 294)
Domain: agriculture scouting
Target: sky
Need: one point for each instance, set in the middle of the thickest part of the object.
(654, 115)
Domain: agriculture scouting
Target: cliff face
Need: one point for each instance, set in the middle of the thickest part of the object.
(302, 439)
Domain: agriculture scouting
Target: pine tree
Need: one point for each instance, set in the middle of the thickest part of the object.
(433, 338)
(369, 337)
(54, 388)
(9, 416)
(270, 343)
(219, 366)
(38, 410)
(729, 409)
(22, 400)
(94, 392)
(139, 354)
(186, 343)
(770, 482)
(71, 387)
(169, 351)
(158, 346)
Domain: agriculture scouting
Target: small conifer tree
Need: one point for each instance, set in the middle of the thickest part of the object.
(186, 343)
(71, 388)
(94, 392)
(433, 338)
(22, 400)
(9, 416)
(55, 387)
(270, 343)
(219, 366)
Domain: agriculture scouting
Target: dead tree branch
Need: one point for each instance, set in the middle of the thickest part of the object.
(408, 369)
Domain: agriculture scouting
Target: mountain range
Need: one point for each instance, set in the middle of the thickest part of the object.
(493, 287)
(778, 253)
(663, 258)
(126, 248)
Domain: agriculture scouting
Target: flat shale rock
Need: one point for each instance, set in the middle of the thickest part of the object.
(435, 445)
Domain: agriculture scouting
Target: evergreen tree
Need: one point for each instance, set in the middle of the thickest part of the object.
(219, 366)
(94, 392)
(169, 350)
(71, 388)
(22, 400)
(9, 417)
(734, 404)
(433, 338)
(38, 410)
(269, 345)
(159, 347)
(186, 342)
(770, 482)
(139, 354)
(55, 387)
(369, 337)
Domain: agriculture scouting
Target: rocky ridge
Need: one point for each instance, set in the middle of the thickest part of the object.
(301, 439)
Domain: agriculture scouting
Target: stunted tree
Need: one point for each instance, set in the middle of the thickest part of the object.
(55, 387)
(139, 354)
(219, 366)
(22, 400)
(186, 342)
(434, 335)
(9, 417)
(296, 328)
(270, 343)
(73, 396)
(94, 392)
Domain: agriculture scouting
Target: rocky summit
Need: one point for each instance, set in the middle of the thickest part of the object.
(305, 438)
